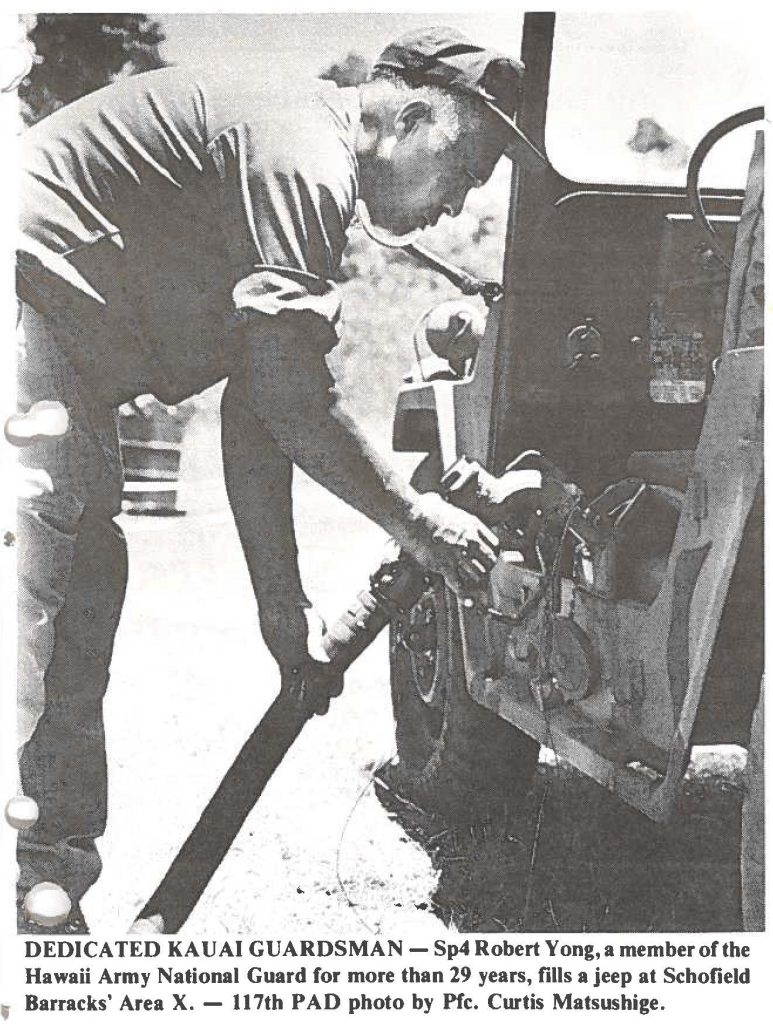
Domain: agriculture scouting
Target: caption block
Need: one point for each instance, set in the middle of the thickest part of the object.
(390, 976)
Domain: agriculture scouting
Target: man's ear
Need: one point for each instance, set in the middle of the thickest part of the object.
(410, 115)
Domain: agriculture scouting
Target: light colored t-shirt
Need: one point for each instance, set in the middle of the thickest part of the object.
(146, 206)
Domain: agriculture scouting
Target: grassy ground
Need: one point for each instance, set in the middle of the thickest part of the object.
(579, 860)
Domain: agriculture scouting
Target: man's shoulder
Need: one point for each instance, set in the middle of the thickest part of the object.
(291, 151)
(136, 105)
(296, 115)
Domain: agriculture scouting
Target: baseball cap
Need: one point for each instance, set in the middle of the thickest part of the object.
(446, 58)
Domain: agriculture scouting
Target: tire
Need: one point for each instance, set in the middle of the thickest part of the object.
(456, 758)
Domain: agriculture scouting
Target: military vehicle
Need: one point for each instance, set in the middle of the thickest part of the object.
(622, 360)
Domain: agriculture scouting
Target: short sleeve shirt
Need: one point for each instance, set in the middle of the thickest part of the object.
(146, 204)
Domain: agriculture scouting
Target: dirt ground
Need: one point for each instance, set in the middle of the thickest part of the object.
(328, 848)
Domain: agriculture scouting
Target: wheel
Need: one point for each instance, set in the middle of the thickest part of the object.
(419, 663)
(455, 757)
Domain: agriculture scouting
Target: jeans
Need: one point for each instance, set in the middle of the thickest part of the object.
(72, 573)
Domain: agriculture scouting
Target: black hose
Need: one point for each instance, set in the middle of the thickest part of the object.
(395, 587)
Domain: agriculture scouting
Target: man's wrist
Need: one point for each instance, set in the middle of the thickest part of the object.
(284, 627)
(422, 514)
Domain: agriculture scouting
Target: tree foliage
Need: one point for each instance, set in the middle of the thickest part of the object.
(77, 53)
(353, 69)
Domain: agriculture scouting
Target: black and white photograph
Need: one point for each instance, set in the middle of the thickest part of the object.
(382, 513)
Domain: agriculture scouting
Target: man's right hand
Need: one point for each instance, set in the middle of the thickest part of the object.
(452, 542)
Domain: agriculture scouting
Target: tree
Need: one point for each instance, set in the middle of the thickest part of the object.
(77, 53)
(353, 69)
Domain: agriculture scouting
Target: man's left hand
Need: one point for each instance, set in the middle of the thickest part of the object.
(313, 681)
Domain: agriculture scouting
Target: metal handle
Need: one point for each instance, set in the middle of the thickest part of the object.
(466, 283)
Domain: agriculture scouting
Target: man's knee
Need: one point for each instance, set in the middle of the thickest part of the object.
(86, 625)
(47, 533)
(70, 602)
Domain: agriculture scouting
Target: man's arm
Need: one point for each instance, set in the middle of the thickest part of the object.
(258, 479)
(293, 393)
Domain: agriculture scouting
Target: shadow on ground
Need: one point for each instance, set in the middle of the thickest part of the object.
(578, 859)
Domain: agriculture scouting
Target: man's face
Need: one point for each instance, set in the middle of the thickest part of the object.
(425, 177)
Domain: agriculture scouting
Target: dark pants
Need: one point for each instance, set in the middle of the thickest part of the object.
(72, 578)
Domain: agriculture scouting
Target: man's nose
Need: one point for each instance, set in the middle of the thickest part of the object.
(455, 207)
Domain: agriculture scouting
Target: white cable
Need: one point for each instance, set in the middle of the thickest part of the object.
(341, 885)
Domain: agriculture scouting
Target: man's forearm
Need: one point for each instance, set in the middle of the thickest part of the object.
(333, 451)
(258, 479)
(294, 395)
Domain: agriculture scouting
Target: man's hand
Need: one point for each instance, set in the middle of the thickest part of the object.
(312, 680)
(312, 685)
(452, 542)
